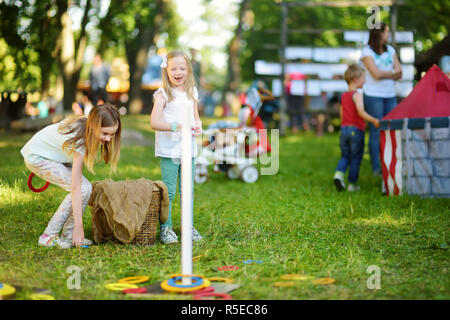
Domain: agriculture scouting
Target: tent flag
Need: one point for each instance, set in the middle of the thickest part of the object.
(391, 164)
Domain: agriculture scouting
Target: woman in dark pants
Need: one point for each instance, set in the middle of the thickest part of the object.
(382, 68)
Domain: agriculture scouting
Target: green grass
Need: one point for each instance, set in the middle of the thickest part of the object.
(294, 221)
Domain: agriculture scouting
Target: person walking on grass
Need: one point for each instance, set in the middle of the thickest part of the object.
(177, 92)
(58, 153)
(351, 141)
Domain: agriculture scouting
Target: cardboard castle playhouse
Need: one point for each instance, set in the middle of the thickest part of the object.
(415, 140)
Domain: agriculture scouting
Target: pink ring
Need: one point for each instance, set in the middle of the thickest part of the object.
(224, 296)
(209, 289)
(227, 268)
(135, 290)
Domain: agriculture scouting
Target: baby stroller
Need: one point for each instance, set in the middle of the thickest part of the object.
(225, 148)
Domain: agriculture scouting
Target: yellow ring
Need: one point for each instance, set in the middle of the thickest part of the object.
(120, 286)
(323, 281)
(134, 280)
(196, 258)
(7, 291)
(185, 275)
(168, 288)
(219, 279)
(284, 284)
(296, 277)
(39, 296)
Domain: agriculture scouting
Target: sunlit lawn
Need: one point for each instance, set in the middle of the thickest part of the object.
(294, 221)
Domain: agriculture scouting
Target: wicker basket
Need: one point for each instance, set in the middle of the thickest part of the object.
(147, 234)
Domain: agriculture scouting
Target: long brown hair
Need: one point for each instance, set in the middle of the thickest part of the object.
(86, 132)
(189, 84)
(375, 39)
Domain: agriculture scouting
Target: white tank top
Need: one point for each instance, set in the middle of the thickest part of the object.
(168, 143)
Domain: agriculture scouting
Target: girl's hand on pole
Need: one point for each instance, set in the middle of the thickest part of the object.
(197, 128)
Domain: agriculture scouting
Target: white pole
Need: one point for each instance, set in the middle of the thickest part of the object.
(186, 196)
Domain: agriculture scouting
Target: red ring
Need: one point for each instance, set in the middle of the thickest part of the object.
(30, 185)
(227, 268)
(209, 289)
(224, 296)
(135, 290)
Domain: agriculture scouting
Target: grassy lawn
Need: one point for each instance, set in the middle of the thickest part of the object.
(294, 221)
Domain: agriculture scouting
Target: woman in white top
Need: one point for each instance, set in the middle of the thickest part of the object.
(382, 68)
(178, 92)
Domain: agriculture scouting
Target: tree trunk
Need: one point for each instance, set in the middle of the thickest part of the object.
(234, 68)
(137, 63)
(425, 60)
(137, 58)
(70, 53)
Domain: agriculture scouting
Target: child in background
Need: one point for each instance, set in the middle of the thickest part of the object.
(177, 92)
(351, 141)
(57, 154)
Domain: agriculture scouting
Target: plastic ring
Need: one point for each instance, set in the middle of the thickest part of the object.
(201, 296)
(168, 288)
(218, 279)
(253, 261)
(30, 184)
(135, 290)
(185, 275)
(38, 296)
(324, 281)
(227, 268)
(134, 280)
(203, 290)
(296, 277)
(284, 284)
(120, 286)
(196, 281)
(7, 291)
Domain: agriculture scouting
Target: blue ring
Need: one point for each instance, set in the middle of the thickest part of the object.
(1, 285)
(252, 261)
(172, 282)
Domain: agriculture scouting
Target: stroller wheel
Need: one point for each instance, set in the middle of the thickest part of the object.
(200, 179)
(250, 174)
(233, 173)
(201, 174)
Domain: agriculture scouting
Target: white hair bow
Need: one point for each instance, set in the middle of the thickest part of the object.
(164, 63)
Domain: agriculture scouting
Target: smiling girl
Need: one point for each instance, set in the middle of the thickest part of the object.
(178, 92)
(58, 153)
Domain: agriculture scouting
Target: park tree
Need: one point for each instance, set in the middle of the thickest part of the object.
(40, 35)
(15, 54)
(70, 48)
(136, 25)
(321, 26)
(234, 47)
(40, 40)
(429, 21)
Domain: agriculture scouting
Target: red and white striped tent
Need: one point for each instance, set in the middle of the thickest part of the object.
(415, 140)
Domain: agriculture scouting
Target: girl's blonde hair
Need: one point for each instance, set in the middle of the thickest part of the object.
(189, 84)
(86, 132)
